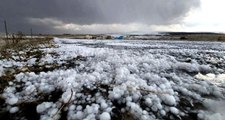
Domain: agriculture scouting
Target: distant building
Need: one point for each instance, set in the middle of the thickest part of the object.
(119, 37)
(88, 37)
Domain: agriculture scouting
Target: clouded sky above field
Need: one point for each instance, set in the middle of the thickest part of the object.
(109, 16)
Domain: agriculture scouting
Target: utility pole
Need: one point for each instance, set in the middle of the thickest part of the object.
(6, 29)
(31, 33)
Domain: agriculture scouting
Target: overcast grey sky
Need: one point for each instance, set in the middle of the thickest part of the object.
(92, 16)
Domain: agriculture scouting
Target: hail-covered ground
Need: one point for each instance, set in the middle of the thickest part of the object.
(116, 80)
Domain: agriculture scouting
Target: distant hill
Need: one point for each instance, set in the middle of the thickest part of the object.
(190, 33)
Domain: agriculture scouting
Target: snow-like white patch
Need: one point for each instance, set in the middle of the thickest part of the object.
(148, 79)
(1, 70)
(12, 100)
(105, 116)
(128, 44)
(14, 110)
(174, 110)
(43, 107)
(168, 99)
(215, 79)
(216, 110)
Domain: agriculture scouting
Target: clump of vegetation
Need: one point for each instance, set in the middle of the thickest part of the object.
(183, 38)
(108, 37)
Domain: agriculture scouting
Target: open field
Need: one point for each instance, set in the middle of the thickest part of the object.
(160, 36)
(128, 80)
(196, 36)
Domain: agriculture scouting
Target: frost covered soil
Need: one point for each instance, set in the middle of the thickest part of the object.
(103, 80)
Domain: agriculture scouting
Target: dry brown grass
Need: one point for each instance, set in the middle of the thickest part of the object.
(9, 44)
(21, 45)
(206, 37)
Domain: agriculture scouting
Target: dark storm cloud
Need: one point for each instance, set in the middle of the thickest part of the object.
(18, 12)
